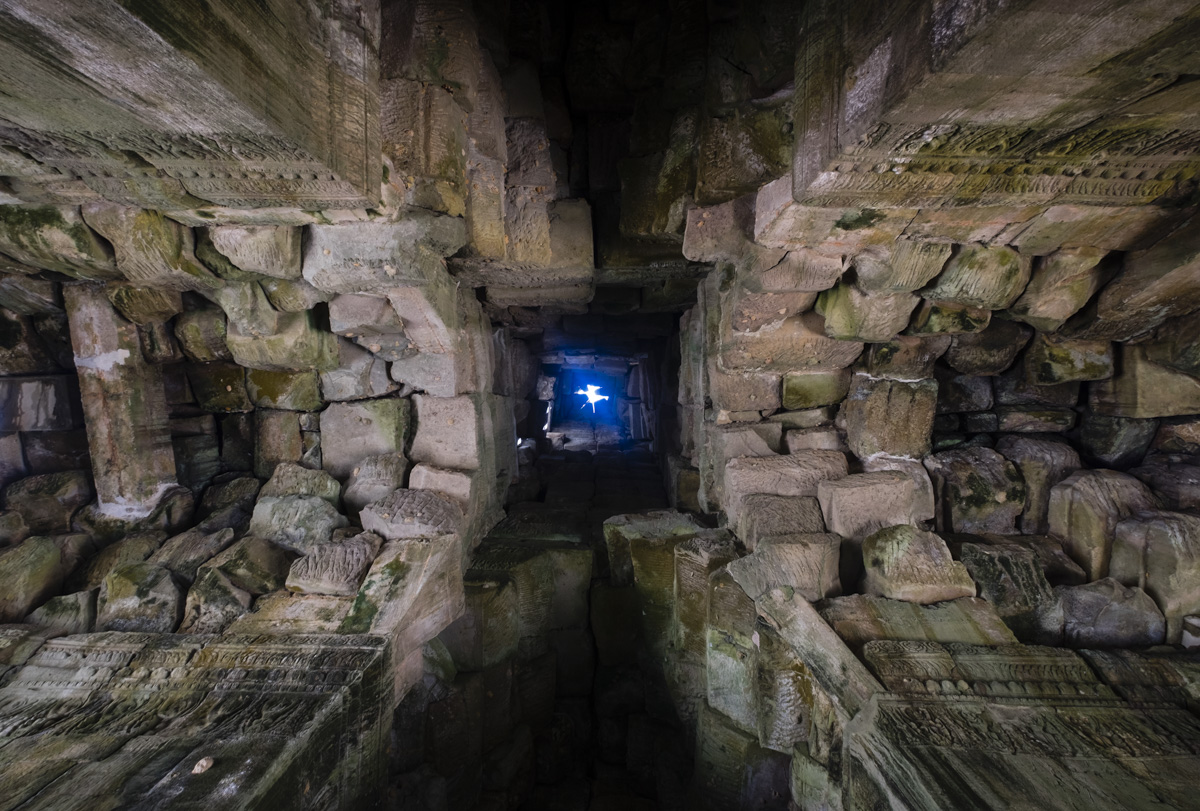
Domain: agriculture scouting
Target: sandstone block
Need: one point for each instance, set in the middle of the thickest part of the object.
(622, 530)
(350, 432)
(252, 564)
(1084, 511)
(909, 266)
(269, 250)
(925, 504)
(292, 480)
(337, 567)
(31, 572)
(804, 562)
(48, 501)
(906, 357)
(201, 335)
(1010, 577)
(449, 431)
(68, 614)
(979, 276)
(766, 516)
(359, 375)
(805, 390)
(1052, 360)
(1174, 480)
(373, 257)
(297, 344)
(989, 351)
(183, 554)
(374, 478)
(410, 514)
(1060, 285)
(859, 619)
(906, 563)
(937, 318)
(1144, 389)
(488, 631)
(861, 504)
(288, 391)
(212, 604)
(852, 314)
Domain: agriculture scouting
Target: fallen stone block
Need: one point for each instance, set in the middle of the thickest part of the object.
(68, 614)
(1105, 614)
(140, 597)
(989, 351)
(252, 564)
(766, 516)
(373, 478)
(905, 563)
(293, 480)
(47, 502)
(1043, 464)
(183, 554)
(860, 618)
(337, 567)
(695, 560)
(980, 276)
(213, 603)
(1084, 511)
(806, 563)
(296, 523)
(31, 573)
(793, 475)
(621, 530)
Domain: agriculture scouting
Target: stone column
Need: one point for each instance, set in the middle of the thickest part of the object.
(124, 407)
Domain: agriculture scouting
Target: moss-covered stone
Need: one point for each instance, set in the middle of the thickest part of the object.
(219, 387)
(805, 390)
(288, 391)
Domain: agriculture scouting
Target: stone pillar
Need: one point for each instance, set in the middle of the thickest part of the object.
(124, 407)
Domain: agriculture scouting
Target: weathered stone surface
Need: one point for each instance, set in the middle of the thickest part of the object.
(1061, 284)
(183, 554)
(825, 438)
(408, 514)
(448, 431)
(150, 249)
(1143, 389)
(765, 516)
(910, 266)
(1159, 552)
(724, 442)
(1051, 360)
(293, 480)
(959, 394)
(134, 547)
(621, 530)
(804, 562)
(212, 604)
(288, 391)
(1176, 344)
(336, 567)
(292, 296)
(1085, 509)
(798, 343)
(924, 506)
(1175, 480)
(298, 523)
(936, 318)
(488, 631)
(981, 276)
(859, 505)
(13, 528)
(372, 479)
(1043, 463)
(47, 502)
(413, 590)
(906, 563)
(30, 572)
(1013, 388)
(1010, 578)
(144, 305)
(796, 474)
(978, 491)
(298, 344)
(269, 250)
(889, 416)
(201, 335)
(852, 314)
(989, 351)
(1105, 614)
(1175, 436)
(277, 439)
(805, 390)
(350, 432)
(906, 357)
(140, 597)
(860, 618)
(366, 257)
(58, 239)
(1117, 442)
(1152, 285)
(252, 564)
(219, 387)
(68, 614)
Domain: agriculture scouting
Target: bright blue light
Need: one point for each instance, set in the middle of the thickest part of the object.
(593, 396)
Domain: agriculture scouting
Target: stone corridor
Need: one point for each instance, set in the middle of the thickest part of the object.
(886, 494)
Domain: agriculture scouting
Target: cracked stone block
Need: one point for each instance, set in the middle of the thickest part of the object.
(889, 416)
(860, 618)
(860, 504)
(807, 562)
(213, 603)
(291, 479)
(252, 564)
(976, 275)
(337, 567)
(1043, 463)
(796, 474)
(1106, 614)
(1159, 552)
(183, 554)
(1061, 284)
(270, 250)
(766, 516)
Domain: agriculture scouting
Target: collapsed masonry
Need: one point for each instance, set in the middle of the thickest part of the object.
(901, 300)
